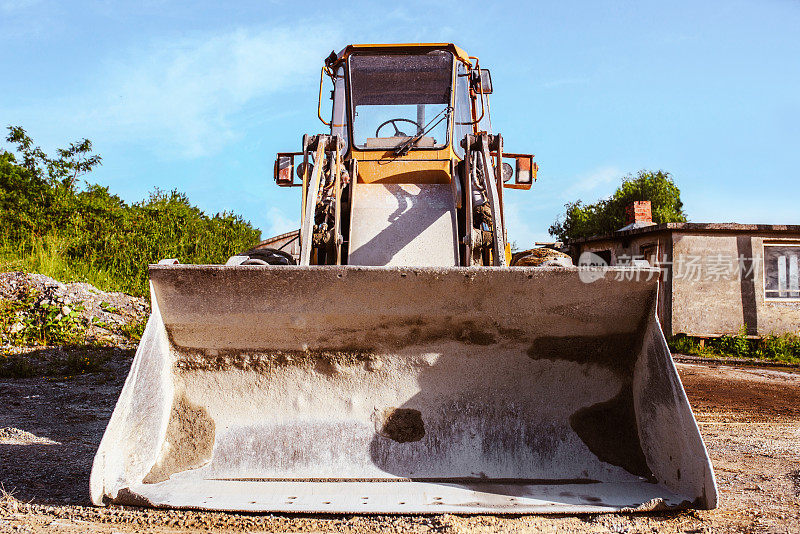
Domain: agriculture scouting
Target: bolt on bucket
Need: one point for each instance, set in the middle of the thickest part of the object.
(402, 390)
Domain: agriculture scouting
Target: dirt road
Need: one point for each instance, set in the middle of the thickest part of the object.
(50, 429)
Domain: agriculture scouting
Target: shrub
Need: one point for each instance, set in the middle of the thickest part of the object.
(783, 348)
(738, 345)
(56, 226)
(30, 321)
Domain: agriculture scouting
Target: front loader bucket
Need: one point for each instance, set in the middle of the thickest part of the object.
(403, 390)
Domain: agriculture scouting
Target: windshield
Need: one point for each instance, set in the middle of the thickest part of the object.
(398, 97)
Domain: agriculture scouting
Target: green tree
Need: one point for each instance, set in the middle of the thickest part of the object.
(608, 215)
(64, 170)
(93, 235)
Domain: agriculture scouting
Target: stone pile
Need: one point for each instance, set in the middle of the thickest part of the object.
(105, 315)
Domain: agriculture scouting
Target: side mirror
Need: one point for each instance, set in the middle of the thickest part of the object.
(284, 169)
(482, 81)
(524, 172)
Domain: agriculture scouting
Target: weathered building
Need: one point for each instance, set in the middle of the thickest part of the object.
(288, 242)
(716, 277)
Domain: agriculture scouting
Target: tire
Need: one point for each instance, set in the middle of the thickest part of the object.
(268, 256)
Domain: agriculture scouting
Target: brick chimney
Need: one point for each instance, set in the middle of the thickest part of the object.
(639, 212)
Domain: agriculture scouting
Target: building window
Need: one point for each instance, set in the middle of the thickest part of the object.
(605, 255)
(782, 271)
(649, 252)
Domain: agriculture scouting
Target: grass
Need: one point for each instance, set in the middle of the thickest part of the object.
(133, 330)
(783, 348)
(47, 256)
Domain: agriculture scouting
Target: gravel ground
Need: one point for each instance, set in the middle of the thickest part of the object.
(50, 429)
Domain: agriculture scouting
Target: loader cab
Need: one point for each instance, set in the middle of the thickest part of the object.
(400, 102)
(420, 175)
(407, 101)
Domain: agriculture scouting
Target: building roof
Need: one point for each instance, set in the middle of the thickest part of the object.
(636, 224)
(281, 237)
(690, 227)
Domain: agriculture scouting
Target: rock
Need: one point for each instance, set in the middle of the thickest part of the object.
(80, 300)
(15, 436)
(541, 257)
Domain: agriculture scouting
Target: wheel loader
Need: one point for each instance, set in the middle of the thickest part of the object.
(402, 364)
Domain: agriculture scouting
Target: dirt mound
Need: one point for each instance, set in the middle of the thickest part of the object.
(37, 310)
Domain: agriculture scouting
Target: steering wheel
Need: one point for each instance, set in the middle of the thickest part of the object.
(397, 132)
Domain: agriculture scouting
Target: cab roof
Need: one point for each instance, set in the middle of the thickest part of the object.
(334, 59)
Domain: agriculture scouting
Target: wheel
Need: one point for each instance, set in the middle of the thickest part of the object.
(267, 256)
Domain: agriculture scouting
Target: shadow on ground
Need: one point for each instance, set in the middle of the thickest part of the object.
(72, 411)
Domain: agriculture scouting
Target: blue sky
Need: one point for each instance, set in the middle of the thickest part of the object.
(199, 96)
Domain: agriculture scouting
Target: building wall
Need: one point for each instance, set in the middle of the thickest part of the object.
(706, 302)
(712, 283)
(711, 299)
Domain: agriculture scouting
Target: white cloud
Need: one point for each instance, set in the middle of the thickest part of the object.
(9, 6)
(590, 182)
(22, 21)
(279, 223)
(524, 227)
(180, 95)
